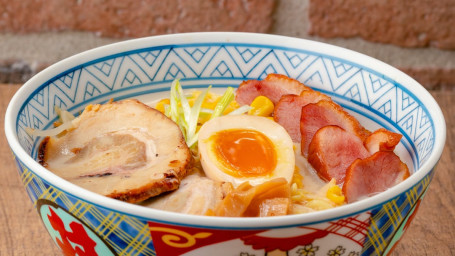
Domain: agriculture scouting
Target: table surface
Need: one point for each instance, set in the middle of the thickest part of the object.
(431, 233)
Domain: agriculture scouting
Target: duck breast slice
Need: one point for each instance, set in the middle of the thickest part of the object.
(382, 140)
(317, 115)
(373, 174)
(288, 110)
(332, 150)
(273, 87)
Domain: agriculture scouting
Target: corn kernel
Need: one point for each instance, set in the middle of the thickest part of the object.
(297, 178)
(192, 98)
(160, 105)
(261, 106)
(335, 195)
(210, 101)
(231, 107)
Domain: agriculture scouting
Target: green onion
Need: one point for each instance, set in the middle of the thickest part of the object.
(225, 100)
(173, 113)
(241, 110)
(184, 103)
(194, 116)
(187, 117)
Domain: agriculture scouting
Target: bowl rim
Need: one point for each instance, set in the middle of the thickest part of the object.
(123, 47)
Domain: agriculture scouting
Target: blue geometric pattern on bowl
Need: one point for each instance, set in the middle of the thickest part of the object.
(152, 69)
(127, 235)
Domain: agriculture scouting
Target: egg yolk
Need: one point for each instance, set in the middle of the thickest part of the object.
(244, 153)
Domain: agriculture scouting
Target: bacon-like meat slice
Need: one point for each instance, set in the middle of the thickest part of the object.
(373, 174)
(273, 87)
(382, 140)
(332, 150)
(288, 110)
(317, 115)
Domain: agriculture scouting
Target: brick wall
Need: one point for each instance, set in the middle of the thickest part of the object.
(415, 24)
(132, 18)
(420, 23)
(417, 36)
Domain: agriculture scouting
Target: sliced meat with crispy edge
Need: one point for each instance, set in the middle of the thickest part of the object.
(196, 195)
(288, 110)
(273, 87)
(332, 150)
(125, 150)
(382, 140)
(317, 115)
(373, 174)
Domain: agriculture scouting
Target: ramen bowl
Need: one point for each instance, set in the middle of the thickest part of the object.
(374, 92)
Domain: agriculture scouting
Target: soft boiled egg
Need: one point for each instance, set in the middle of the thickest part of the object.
(240, 148)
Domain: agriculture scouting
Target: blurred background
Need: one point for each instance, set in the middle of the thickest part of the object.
(417, 36)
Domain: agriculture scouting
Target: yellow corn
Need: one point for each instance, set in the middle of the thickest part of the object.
(297, 178)
(211, 100)
(232, 106)
(335, 195)
(160, 105)
(192, 98)
(261, 106)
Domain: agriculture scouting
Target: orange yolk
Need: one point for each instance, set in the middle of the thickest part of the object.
(244, 153)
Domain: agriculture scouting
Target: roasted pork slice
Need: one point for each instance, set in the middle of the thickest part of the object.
(273, 87)
(373, 174)
(124, 150)
(317, 115)
(382, 140)
(288, 110)
(196, 195)
(332, 150)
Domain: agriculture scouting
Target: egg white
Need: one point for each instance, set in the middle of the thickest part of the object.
(280, 139)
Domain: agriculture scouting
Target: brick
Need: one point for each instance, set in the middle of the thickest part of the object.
(433, 78)
(131, 18)
(417, 23)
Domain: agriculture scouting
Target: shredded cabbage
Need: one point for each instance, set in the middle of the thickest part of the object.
(66, 119)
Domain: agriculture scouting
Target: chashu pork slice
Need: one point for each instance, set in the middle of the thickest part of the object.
(124, 150)
(196, 195)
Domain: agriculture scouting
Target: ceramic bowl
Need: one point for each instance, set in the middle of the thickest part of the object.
(376, 93)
